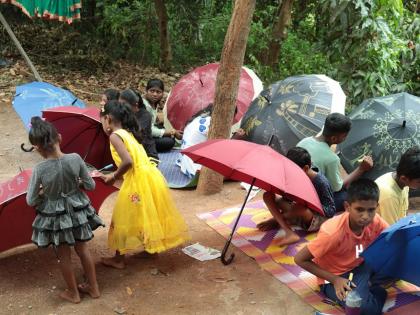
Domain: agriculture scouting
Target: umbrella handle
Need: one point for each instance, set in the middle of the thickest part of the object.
(22, 146)
(224, 252)
(223, 256)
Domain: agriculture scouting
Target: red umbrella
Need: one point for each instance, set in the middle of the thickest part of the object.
(257, 165)
(196, 90)
(82, 133)
(16, 216)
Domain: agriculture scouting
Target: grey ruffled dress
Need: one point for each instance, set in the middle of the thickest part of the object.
(64, 213)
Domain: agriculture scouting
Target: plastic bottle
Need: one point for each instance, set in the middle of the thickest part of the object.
(353, 303)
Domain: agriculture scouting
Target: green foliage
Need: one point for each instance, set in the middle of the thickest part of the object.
(364, 40)
(364, 44)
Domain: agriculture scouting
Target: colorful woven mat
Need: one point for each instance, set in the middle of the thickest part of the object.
(403, 298)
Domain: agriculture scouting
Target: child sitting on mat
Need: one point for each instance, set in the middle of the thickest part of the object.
(335, 252)
(286, 213)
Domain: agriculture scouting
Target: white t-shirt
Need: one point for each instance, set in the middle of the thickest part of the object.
(194, 133)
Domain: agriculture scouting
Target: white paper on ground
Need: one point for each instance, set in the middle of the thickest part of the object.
(200, 252)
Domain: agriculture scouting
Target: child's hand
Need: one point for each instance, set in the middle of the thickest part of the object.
(366, 164)
(178, 134)
(341, 286)
(109, 179)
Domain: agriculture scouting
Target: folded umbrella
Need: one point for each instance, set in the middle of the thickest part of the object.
(257, 165)
(395, 253)
(16, 216)
(293, 109)
(196, 90)
(82, 133)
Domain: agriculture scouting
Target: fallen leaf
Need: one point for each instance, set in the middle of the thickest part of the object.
(129, 291)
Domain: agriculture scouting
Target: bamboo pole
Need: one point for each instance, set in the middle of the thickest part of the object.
(19, 47)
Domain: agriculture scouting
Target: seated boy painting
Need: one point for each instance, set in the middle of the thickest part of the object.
(335, 252)
(394, 186)
(336, 128)
(286, 213)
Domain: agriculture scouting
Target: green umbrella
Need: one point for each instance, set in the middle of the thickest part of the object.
(62, 10)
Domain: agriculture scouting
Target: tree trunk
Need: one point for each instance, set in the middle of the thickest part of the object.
(227, 84)
(165, 46)
(279, 32)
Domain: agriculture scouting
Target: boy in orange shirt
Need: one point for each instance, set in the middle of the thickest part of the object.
(335, 253)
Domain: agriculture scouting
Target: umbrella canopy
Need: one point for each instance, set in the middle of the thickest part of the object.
(293, 109)
(384, 127)
(196, 90)
(16, 216)
(396, 251)
(62, 10)
(245, 161)
(32, 98)
(81, 132)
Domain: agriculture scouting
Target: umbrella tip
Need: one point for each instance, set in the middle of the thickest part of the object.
(404, 123)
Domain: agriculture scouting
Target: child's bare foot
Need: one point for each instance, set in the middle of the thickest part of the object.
(72, 297)
(288, 239)
(270, 224)
(112, 262)
(93, 291)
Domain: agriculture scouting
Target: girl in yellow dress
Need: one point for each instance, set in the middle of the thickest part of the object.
(144, 216)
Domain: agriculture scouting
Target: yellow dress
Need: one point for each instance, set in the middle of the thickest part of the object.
(145, 215)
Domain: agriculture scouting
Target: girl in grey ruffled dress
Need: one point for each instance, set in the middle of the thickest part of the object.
(65, 217)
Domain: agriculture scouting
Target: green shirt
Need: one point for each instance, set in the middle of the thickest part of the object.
(156, 131)
(325, 160)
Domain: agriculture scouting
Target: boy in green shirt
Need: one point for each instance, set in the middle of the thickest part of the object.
(336, 128)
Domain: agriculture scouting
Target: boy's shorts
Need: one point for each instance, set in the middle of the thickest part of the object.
(315, 224)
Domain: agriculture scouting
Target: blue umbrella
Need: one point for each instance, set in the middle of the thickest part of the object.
(32, 98)
(395, 253)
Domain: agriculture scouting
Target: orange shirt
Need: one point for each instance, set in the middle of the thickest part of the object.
(337, 249)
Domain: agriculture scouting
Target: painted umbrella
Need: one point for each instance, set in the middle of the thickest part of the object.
(82, 133)
(293, 109)
(257, 165)
(16, 216)
(383, 127)
(196, 90)
(32, 98)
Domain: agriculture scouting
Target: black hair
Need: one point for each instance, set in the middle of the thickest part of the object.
(336, 124)
(43, 134)
(122, 113)
(206, 111)
(409, 165)
(155, 83)
(112, 94)
(362, 189)
(300, 156)
(132, 97)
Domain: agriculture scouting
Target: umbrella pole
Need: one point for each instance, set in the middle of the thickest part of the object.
(224, 251)
(93, 141)
(20, 48)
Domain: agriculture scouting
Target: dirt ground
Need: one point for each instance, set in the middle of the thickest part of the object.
(171, 283)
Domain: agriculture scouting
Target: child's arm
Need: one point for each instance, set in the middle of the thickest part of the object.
(86, 180)
(126, 160)
(33, 197)
(304, 259)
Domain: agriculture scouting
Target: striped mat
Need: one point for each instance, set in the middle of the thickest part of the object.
(403, 298)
